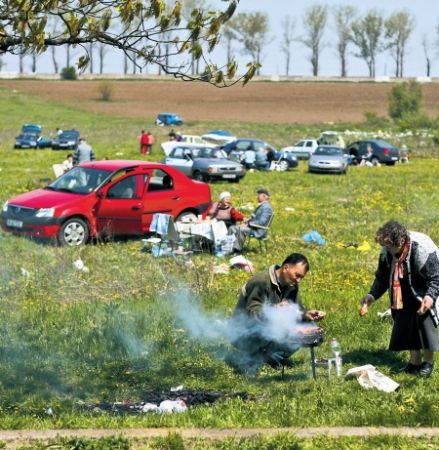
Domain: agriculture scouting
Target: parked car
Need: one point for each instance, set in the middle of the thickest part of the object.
(204, 163)
(331, 138)
(219, 137)
(168, 119)
(302, 149)
(328, 159)
(382, 151)
(67, 139)
(186, 139)
(104, 198)
(30, 137)
(236, 149)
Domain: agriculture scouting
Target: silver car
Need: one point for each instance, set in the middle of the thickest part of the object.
(204, 163)
(328, 159)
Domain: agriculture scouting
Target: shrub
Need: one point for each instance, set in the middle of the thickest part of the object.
(173, 441)
(69, 73)
(415, 121)
(373, 120)
(436, 137)
(106, 89)
(405, 98)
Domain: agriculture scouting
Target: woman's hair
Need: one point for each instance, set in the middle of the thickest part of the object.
(392, 233)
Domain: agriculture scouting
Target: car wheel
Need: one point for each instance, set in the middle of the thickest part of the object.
(73, 232)
(186, 216)
(375, 161)
(199, 176)
(283, 166)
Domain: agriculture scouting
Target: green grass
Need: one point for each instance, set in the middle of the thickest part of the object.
(68, 337)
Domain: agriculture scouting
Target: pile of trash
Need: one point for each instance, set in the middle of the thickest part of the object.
(164, 401)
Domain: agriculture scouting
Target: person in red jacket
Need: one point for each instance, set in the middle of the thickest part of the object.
(144, 142)
(223, 210)
(150, 142)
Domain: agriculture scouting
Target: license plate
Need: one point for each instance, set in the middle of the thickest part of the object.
(14, 223)
(394, 158)
(229, 176)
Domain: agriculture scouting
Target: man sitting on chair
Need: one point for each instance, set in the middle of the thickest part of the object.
(257, 224)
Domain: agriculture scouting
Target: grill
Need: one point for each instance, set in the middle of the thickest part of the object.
(20, 212)
(308, 336)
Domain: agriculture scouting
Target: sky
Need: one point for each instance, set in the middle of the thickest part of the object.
(426, 13)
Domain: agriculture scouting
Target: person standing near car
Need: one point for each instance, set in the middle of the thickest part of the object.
(83, 153)
(150, 142)
(144, 140)
(408, 268)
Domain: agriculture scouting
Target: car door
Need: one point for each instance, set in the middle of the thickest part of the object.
(180, 159)
(160, 195)
(119, 207)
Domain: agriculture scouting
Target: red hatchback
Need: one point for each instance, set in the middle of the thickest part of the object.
(104, 198)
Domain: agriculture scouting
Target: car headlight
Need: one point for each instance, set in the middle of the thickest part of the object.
(212, 169)
(45, 212)
(5, 206)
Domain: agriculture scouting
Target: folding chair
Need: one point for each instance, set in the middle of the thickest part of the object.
(264, 238)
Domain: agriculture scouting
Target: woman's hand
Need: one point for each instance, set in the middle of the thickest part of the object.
(426, 304)
(366, 301)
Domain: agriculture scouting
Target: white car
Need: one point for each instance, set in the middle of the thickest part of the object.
(302, 149)
(168, 146)
(328, 159)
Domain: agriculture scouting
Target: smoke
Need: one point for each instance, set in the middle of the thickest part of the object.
(275, 324)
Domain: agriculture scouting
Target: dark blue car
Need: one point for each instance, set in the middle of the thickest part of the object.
(30, 137)
(278, 160)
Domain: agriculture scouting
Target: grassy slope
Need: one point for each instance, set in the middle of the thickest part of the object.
(110, 334)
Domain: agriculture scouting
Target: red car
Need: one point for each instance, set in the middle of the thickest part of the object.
(104, 198)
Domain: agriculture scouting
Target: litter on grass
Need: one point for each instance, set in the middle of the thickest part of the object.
(313, 236)
(369, 377)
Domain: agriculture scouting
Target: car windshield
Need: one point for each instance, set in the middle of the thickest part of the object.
(80, 180)
(69, 135)
(204, 152)
(329, 151)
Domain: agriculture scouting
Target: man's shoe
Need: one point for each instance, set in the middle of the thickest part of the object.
(426, 369)
(412, 369)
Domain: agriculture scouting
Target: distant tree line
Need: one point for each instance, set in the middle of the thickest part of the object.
(177, 36)
(364, 36)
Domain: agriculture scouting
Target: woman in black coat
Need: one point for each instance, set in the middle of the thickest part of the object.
(409, 269)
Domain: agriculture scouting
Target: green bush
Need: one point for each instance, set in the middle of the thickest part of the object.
(69, 73)
(373, 120)
(405, 98)
(173, 441)
(106, 89)
(415, 121)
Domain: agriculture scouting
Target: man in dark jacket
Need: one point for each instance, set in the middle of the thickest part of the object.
(256, 333)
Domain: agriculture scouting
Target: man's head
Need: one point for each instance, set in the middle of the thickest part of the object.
(293, 269)
(392, 235)
(263, 195)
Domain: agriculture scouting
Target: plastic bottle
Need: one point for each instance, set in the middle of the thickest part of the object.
(336, 351)
(180, 246)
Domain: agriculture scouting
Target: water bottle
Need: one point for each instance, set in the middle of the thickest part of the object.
(180, 246)
(336, 351)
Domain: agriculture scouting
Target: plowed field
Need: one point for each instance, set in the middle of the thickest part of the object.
(269, 102)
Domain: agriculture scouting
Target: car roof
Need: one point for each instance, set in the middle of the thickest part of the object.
(120, 164)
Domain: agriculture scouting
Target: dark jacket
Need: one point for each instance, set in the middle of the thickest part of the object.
(421, 267)
(248, 323)
(264, 288)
